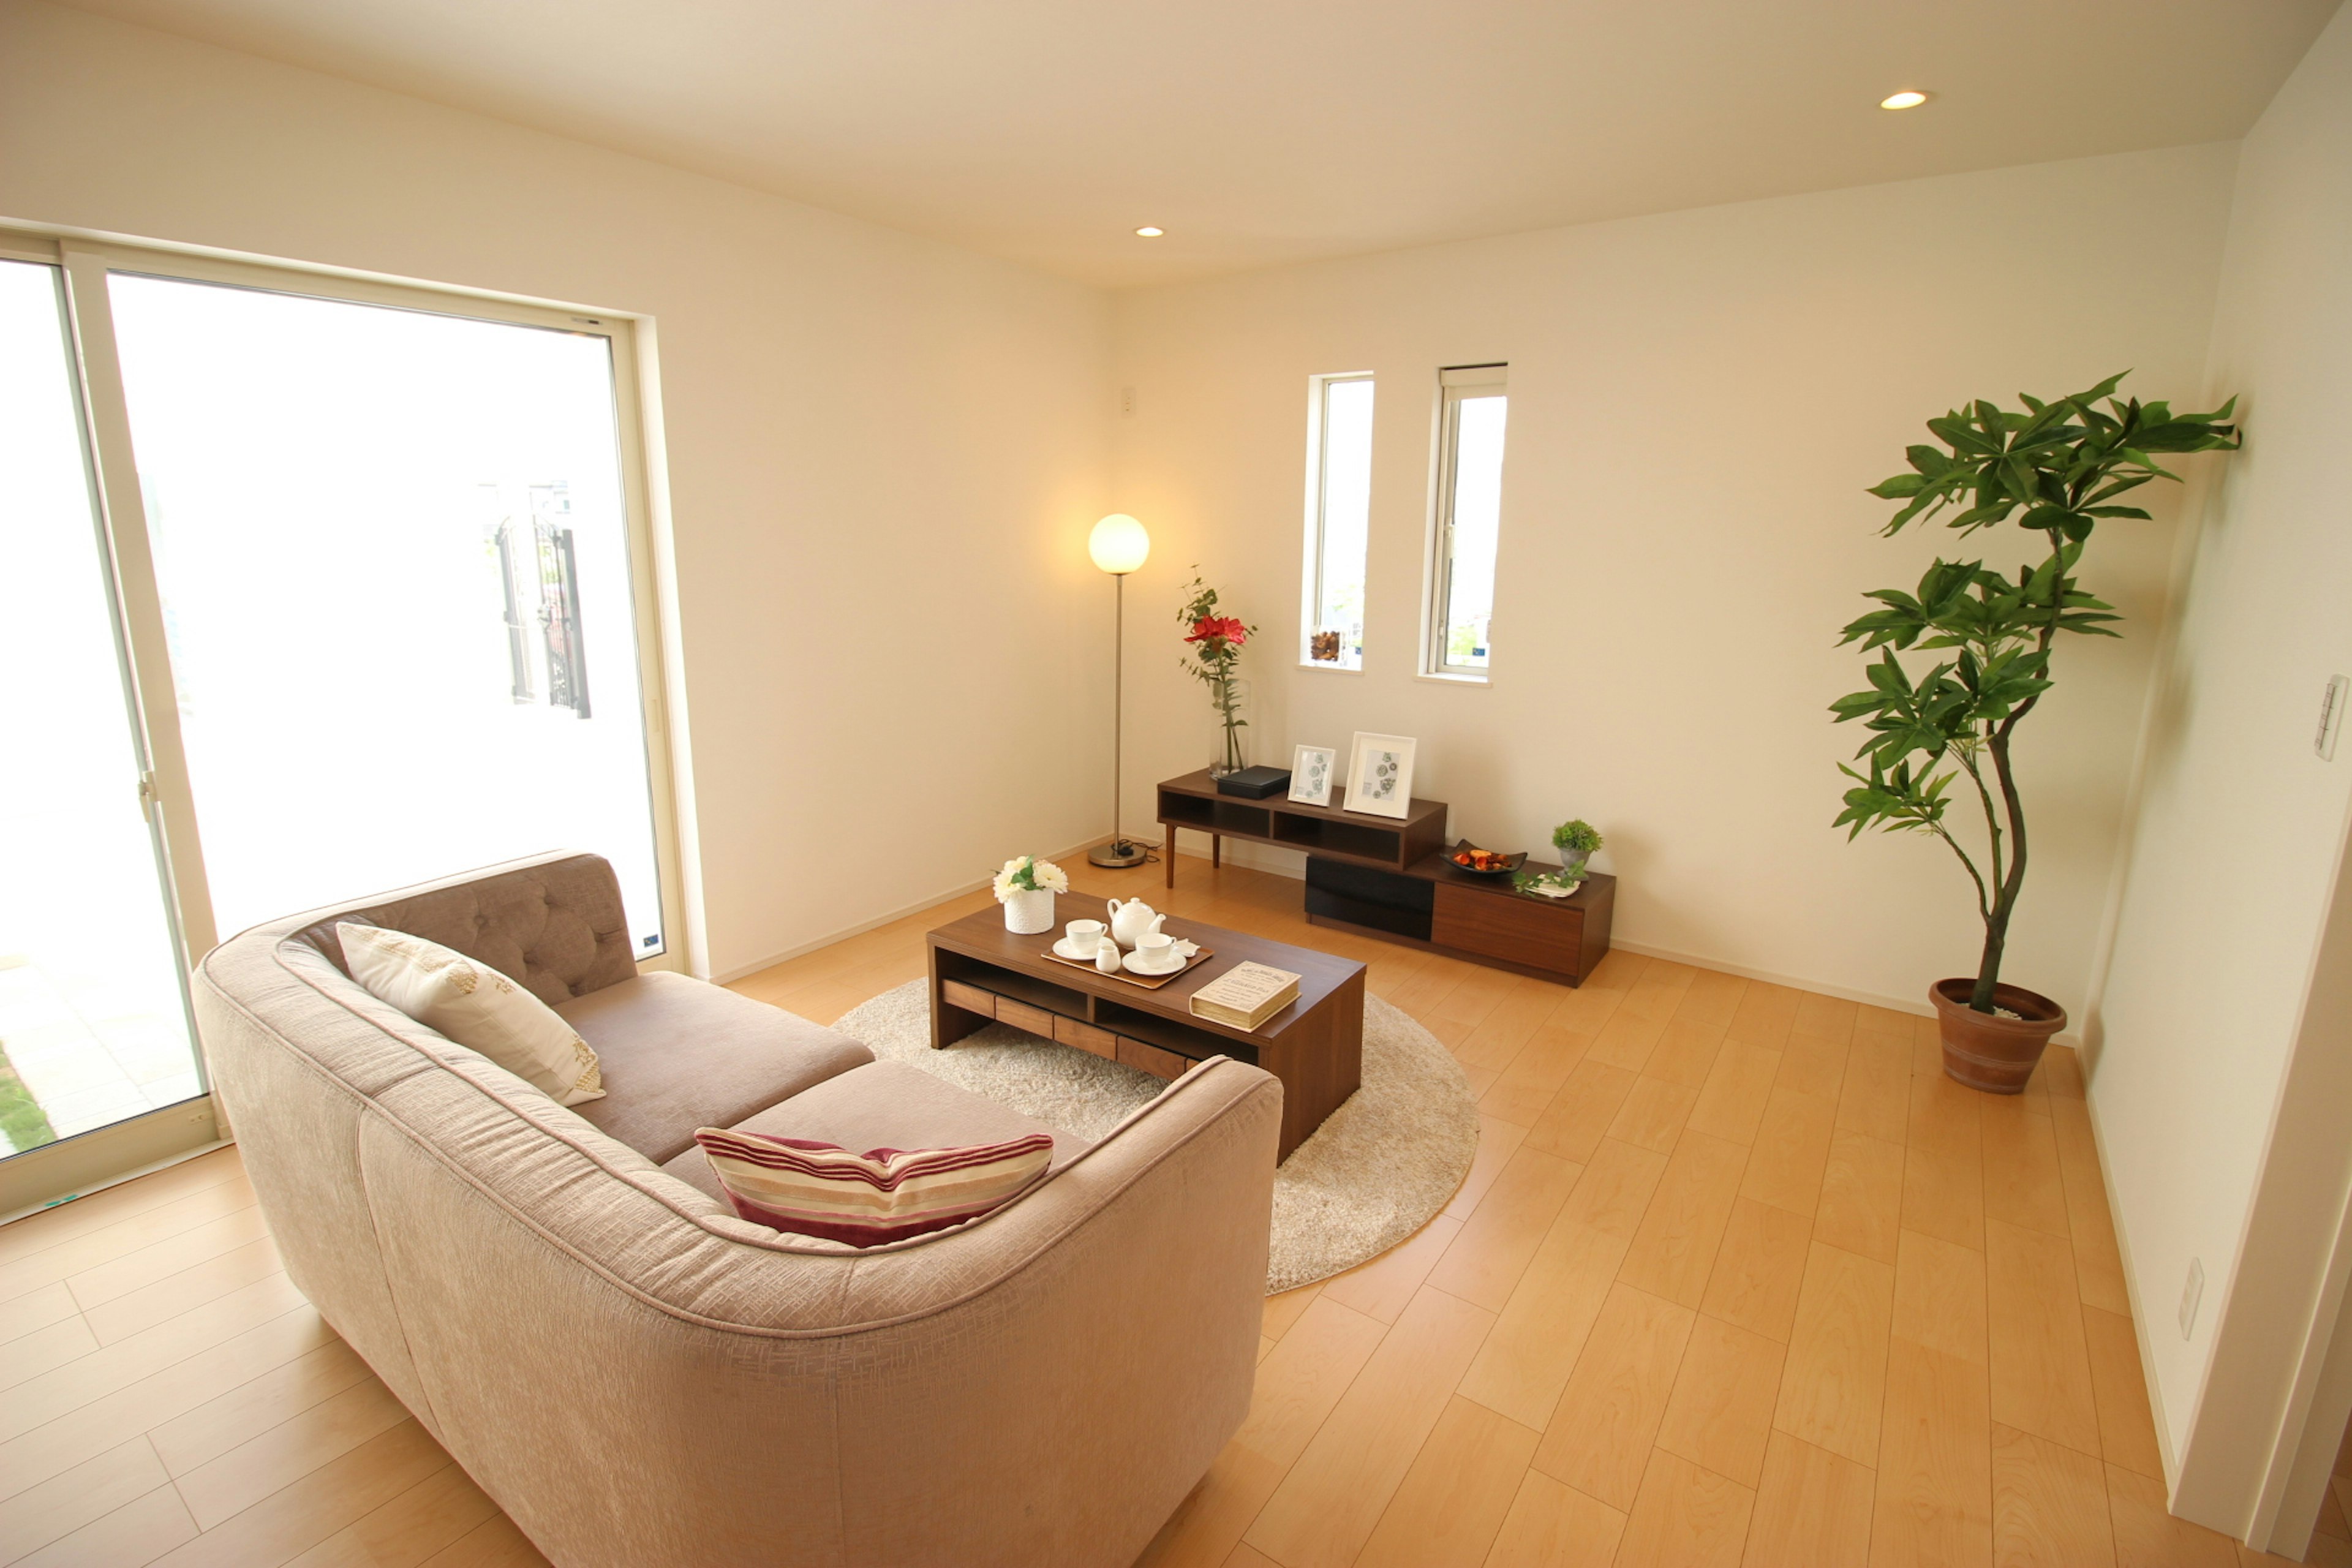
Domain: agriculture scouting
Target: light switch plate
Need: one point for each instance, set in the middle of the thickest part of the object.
(2190, 1294)
(2331, 715)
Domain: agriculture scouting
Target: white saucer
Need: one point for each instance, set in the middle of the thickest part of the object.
(1135, 966)
(1063, 949)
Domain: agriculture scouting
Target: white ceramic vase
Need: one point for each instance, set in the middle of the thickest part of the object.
(1029, 911)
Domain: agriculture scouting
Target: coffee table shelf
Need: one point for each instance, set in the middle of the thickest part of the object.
(981, 973)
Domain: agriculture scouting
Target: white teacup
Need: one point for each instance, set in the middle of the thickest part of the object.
(1083, 934)
(1156, 949)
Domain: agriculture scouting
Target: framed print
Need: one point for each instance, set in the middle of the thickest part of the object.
(1310, 775)
(1379, 775)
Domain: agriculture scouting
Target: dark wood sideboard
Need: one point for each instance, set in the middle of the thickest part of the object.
(1389, 878)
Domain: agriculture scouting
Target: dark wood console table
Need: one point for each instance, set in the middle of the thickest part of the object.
(1330, 831)
(1389, 878)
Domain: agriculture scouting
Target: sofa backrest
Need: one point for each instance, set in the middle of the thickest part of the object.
(555, 923)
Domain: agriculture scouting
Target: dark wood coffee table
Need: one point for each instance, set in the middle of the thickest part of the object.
(981, 972)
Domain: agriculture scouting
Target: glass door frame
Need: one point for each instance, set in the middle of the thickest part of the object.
(57, 1171)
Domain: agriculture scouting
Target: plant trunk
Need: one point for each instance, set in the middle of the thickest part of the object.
(2004, 900)
(1988, 965)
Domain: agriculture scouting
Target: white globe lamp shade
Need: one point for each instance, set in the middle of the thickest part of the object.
(1119, 544)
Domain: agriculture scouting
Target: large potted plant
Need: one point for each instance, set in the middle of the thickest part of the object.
(2058, 468)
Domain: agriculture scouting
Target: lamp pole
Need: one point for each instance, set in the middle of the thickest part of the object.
(1118, 546)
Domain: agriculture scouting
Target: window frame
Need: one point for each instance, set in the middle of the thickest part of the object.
(1455, 385)
(98, 1157)
(1318, 467)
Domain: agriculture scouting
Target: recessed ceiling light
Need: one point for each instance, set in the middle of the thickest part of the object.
(1903, 99)
(1151, 232)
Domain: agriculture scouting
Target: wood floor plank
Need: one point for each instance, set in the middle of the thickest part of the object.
(143, 1308)
(1943, 1168)
(1686, 1053)
(1834, 1384)
(1720, 1412)
(1451, 1504)
(1812, 1066)
(294, 1519)
(1599, 1438)
(1486, 1258)
(2147, 1535)
(33, 1312)
(1628, 1040)
(1812, 1508)
(163, 1258)
(1792, 1151)
(1732, 1102)
(1556, 1526)
(1934, 1462)
(1572, 1126)
(2041, 1362)
(1381, 1288)
(1207, 1525)
(1826, 1017)
(1523, 1367)
(1862, 1196)
(89, 1249)
(62, 1223)
(195, 1436)
(45, 1350)
(1674, 1249)
(1875, 1098)
(1305, 1377)
(227, 1486)
(38, 1516)
(2090, 1218)
(1533, 1081)
(138, 1531)
(1712, 999)
(1280, 1311)
(1766, 1014)
(2119, 1386)
(2048, 1505)
(440, 1509)
(1939, 1298)
(496, 1543)
(1758, 1270)
(1327, 1507)
(1498, 1141)
(92, 1429)
(2021, 1181)
(1686, 1517)
(1654, 1114)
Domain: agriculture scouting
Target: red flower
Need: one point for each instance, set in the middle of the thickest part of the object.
(1214, 629)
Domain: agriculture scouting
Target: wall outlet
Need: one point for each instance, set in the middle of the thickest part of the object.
(2190, 1294)
(1127, 403)
(2331, 715)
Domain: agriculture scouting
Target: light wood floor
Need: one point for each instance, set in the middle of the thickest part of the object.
(1737, 1277)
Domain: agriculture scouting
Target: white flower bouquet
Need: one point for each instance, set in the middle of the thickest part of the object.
(1026, 888)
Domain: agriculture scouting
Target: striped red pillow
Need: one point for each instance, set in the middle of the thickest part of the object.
(883, 1195)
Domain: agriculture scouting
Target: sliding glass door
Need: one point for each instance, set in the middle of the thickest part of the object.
(308, 589)
(393, 556)
(93, 1021)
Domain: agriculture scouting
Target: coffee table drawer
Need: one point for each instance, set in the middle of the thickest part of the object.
(1152, 1060)
(1021, 1015)
(970, 998)
(1086, 1037)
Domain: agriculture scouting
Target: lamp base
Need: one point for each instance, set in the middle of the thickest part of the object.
(1118, 853)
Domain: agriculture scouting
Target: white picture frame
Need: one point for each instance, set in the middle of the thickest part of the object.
(1312, 769)
(1379, 775)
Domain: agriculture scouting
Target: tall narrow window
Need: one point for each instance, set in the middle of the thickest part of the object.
(1339, 508)
(1471, 416)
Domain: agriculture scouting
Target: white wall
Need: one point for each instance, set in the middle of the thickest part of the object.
(882, 453)
(2239, 839)
(1698, 401)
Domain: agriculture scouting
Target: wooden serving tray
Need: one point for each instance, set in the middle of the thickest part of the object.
(1143, 981)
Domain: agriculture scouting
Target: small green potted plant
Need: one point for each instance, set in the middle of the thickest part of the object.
(1576, 841)
(2057, 467)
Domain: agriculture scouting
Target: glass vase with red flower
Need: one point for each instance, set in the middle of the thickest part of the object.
(1216, 643)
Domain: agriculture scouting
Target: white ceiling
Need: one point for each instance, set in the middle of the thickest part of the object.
(1264, 132)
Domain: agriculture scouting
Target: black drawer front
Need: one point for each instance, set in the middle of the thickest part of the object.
(1369, 885)
(1414, 923)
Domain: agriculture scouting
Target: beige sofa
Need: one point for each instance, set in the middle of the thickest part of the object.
(641, 1378)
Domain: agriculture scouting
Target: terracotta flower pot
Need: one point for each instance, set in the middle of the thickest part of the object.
(1985, 1050)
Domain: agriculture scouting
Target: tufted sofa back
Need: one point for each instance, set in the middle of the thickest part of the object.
(556, 925)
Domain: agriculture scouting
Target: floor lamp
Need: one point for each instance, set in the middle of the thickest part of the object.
(1119, 545)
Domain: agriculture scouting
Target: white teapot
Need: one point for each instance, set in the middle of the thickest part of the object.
(1130, 920)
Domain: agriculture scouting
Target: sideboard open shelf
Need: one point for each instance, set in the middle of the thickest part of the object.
(1330, 831)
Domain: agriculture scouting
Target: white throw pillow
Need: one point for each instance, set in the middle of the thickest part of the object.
(475, 1006)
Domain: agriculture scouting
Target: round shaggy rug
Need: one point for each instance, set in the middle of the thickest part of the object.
(1373, 1174)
